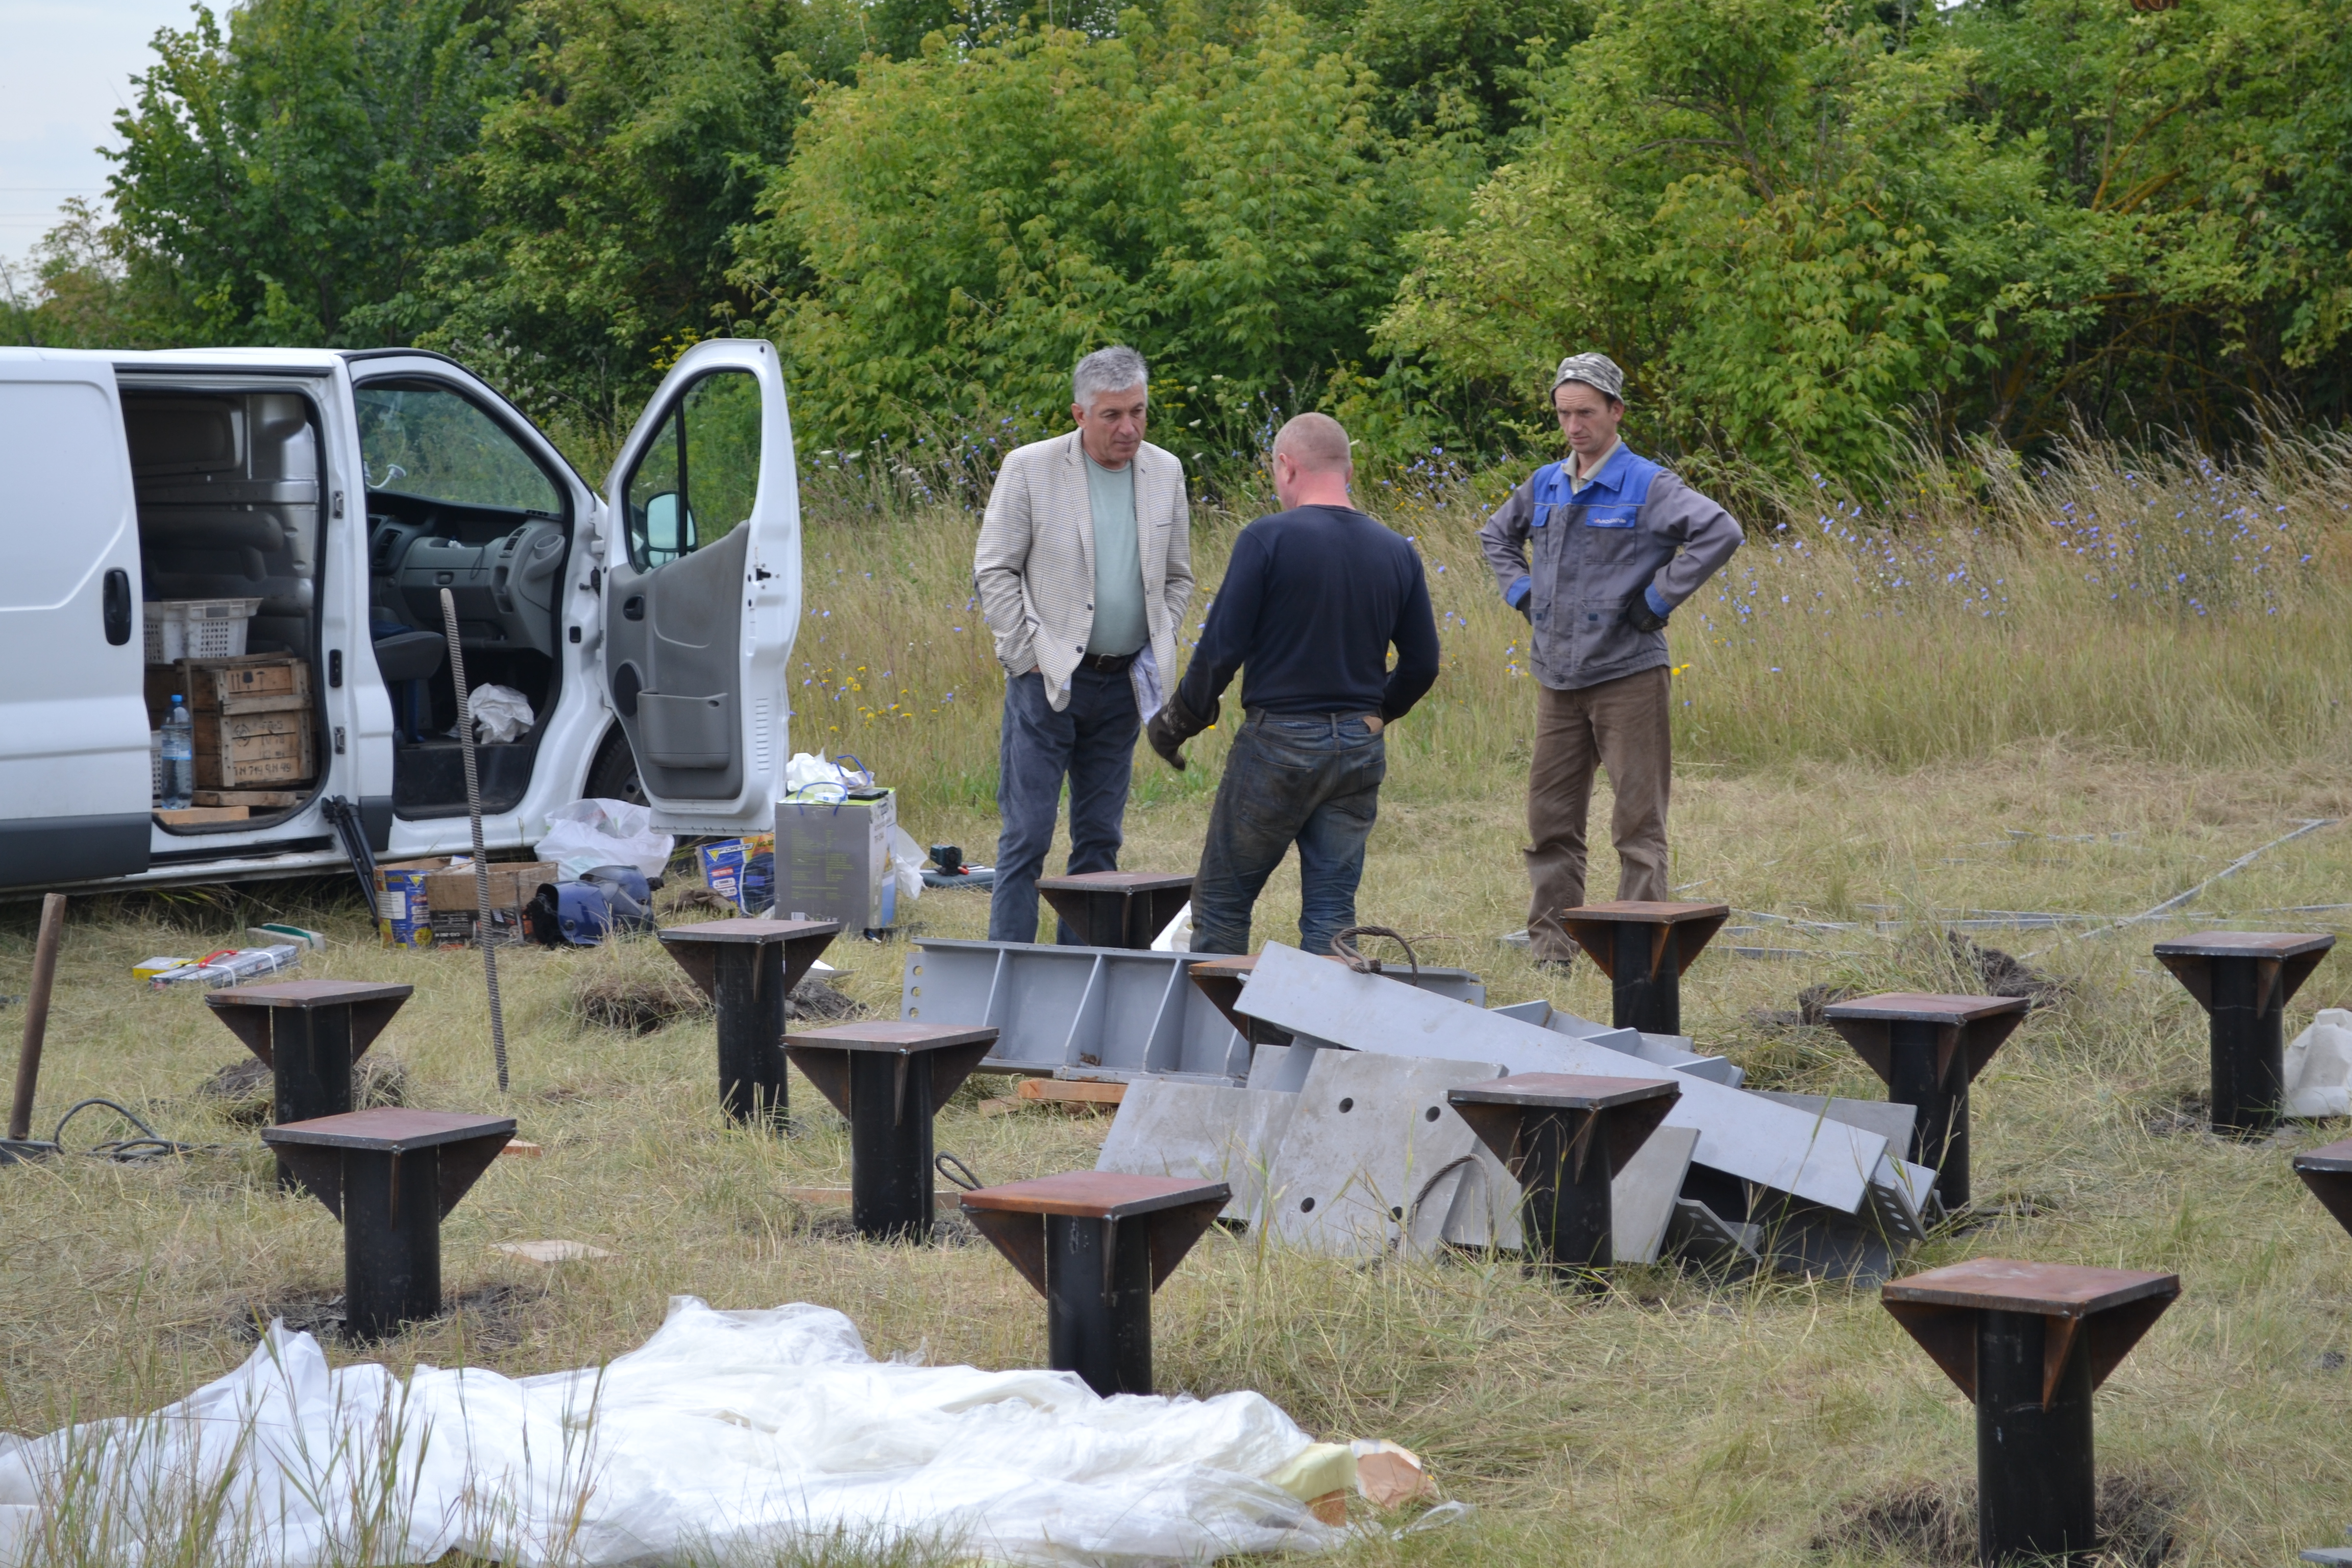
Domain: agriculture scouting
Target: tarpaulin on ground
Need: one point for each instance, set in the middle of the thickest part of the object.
(724, 1432)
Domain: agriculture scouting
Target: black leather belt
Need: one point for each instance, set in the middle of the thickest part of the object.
(1108, 663)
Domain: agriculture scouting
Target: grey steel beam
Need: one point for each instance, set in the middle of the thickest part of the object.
(1829, 1162)
(1075, 1012)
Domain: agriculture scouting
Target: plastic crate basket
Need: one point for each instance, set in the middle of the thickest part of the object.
(197, 628)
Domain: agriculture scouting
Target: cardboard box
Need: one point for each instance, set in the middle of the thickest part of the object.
(453, 897)
(403, 916)
(833, 861)
(723, 864)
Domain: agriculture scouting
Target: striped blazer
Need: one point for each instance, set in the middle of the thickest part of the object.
(1034, 568)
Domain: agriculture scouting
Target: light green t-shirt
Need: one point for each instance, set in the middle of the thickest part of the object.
(1119, 624)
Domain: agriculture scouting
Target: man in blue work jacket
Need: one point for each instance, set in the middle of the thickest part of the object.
(1617, 543)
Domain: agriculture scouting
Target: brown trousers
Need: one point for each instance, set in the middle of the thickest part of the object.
(1622, 725)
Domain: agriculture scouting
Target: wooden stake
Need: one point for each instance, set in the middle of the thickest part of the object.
(37, 1014)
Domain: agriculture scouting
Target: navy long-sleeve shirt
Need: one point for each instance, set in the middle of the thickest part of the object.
(1310, 603)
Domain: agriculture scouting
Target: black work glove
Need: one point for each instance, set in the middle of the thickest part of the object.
(1172, 726)
(1527, 605)
(1640, 617)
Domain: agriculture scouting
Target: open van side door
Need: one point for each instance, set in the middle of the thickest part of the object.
(76, 777)
(702, 588)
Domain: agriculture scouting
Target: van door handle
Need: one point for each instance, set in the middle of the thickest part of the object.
(116, 601)
(633, 608)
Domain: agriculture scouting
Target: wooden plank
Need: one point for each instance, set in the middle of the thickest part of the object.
(260, 799)
(189, 817)
(1072, 1092)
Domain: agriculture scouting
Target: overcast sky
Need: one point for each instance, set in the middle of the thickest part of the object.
(65, 71)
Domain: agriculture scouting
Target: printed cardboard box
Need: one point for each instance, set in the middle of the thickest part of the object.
(404, 915)
(453, 896)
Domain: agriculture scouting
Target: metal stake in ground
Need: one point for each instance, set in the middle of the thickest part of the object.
(482, 928)
(2244, 980)
(36, 1015)
(1565, 1136)
(748, 968)
(1927, 1051)
(2029, 1343)
(1643, 948)
(889, 1079)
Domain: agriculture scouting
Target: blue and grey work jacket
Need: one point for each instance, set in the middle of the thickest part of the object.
(1632, 528)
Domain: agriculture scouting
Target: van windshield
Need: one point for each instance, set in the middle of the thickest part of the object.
(425, 440)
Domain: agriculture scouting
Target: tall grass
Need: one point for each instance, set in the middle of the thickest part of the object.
(2152, 606)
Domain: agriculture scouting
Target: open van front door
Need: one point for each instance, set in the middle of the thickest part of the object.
(76, 779)
(702, 588)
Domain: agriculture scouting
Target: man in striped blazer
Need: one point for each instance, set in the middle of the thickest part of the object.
(1084, 569)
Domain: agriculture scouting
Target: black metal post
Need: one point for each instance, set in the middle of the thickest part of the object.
(392, 1239)
(309, 1067)
(2249, 1049)
(2036, 1495)
(890, 1145)
(1939, 1133)
(749, 994)
(1645, 992)
(1099, 1303)
(1566, 1212)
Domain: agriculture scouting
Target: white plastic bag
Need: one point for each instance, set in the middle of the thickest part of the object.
(1177, 935)
(591, 833)
(2319, 1068)
(907, 859)
(501, 713)
(804, 769)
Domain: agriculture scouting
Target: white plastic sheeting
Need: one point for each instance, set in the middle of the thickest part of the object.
(725, 1432)
(587, 834)
(2319, 1068)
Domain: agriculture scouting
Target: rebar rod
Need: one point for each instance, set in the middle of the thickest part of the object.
(484, 929)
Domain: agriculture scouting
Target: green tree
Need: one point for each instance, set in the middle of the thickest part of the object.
(973, 222)
(283, 182)
(613, 182)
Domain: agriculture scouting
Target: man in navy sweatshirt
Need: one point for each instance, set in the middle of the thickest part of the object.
(1313, 598)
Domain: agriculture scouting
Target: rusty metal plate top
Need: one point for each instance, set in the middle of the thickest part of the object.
(1562, 1090)
(2050, 1289)
(890, 1034)
(390, 1130)
(1231, 967)
(1098, 1194)
(309, 994)
(750, 930)
(1114, 882)
(1636, 911)
(2246, 944)
(1920, 1007)
(2332, 1157)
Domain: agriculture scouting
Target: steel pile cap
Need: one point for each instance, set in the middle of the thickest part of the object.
(748, 968)
(1096, 1245)
(2244, 980)
(309, 1034)
(391, 1176)
(2328, 1172)
(1644, 947)
(1927, 1049)
(1564, 1137)
(1117, 909)
(2029, 1343)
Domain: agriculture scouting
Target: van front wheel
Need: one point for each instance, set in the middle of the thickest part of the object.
(614, 774)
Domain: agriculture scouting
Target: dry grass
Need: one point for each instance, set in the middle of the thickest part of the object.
(1679, 1420)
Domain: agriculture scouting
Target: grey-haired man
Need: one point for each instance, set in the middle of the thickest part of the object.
(1084, 567)
(1616, 543)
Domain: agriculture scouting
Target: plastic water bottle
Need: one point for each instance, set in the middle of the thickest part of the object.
(179, 757)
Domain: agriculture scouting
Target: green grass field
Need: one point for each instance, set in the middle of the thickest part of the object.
(1900, 740)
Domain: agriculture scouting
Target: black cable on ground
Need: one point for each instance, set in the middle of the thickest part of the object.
(961, 1175)
(151, 1147)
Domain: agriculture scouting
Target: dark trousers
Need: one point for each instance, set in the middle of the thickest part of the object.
(1310, 778)
(1091, 742)
(1626, 726)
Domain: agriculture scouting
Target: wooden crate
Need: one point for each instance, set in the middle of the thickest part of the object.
(254, 721)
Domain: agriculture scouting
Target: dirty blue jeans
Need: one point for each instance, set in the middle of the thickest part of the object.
(1092, 741)
(1310, 778)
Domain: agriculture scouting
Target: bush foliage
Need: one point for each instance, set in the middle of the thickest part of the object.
(1804, 229)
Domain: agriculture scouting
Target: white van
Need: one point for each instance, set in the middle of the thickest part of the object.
(648, 630)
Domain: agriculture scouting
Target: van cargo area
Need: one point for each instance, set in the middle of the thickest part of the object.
(228, 493)
(454, 502)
